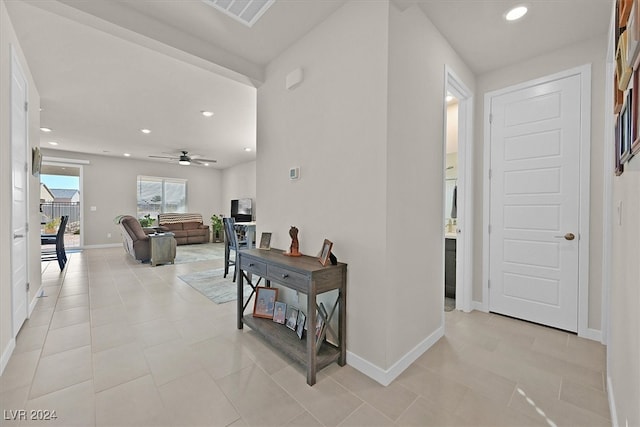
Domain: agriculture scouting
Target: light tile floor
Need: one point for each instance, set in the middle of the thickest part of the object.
(116, 343)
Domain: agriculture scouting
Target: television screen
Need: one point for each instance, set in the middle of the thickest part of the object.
(241, 210)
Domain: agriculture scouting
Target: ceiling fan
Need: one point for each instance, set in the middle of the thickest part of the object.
(185, 160)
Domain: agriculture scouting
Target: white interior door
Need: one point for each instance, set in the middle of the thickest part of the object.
(535, 202)
(19, 145)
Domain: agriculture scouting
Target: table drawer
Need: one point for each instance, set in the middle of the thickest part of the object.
(252, 266)
(287, 277)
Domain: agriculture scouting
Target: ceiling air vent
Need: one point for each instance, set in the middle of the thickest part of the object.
(245, 11)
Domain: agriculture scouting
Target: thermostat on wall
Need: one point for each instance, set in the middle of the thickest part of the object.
(294, 173)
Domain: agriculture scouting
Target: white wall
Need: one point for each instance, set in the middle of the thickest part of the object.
(366, 129)
(109, 184)
(333, 126)
(624, 337)
(418, 54)
(8, 39)
(588, 52)
(239, 182)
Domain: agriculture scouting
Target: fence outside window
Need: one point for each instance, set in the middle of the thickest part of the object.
(52, 210)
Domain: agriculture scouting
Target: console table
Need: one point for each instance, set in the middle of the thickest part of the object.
(303, 274)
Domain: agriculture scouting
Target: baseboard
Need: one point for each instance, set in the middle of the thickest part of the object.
(106, 245)
(478, 305)
(592, 334)
(35, 300)
(612, 403)
(6, 355)
(385, 377)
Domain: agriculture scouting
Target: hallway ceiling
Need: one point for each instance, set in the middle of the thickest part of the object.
(107, 68)
(477, 31)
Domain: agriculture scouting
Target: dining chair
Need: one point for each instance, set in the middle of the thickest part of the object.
(231, 243)
(58, 254)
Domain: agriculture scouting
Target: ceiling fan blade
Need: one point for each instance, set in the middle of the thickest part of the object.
(201, 161)
(163, 157)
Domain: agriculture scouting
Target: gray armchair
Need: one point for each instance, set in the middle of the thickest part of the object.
(135, 241)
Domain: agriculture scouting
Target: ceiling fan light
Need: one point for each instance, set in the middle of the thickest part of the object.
(184, 162)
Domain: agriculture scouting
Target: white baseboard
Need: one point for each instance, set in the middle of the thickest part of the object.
(35, 300)
(612, 403)
(385, 377)
(477, 305)
(591, 334)
(6, 354)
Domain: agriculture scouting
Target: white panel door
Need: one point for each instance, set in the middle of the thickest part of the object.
(535, 205)
(19, 181)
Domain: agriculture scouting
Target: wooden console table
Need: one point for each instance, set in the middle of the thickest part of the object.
(303, 274)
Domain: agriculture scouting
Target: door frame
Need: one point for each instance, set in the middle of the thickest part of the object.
(77, 164)
(464, 228)
(17, 67)
(584, 72)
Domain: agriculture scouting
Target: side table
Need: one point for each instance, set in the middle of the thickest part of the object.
(163, 248)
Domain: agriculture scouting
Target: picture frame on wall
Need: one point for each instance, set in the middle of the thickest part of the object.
(624, 12)
(633, 35)
(618, 168)
(623, 69)
(635, 114)
(618, 95)
(626, 128)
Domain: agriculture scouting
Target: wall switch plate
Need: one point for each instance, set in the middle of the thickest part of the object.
(108, 235)
(94, 208)
(294, 173)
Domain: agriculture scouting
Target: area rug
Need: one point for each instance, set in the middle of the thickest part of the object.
(199, 252)
(212, 285)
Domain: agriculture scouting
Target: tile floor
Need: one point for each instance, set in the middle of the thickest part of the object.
(115, 343)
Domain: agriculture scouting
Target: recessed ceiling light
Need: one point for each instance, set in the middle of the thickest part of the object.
(127, 155)
(53, 143)
(145, 131)
(516, 13)
(45, 129)
(247, 149)
(206, 164)
(206, 113)
(449, 98)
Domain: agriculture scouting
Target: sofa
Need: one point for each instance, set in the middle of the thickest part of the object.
(187, 228)
(136, 241)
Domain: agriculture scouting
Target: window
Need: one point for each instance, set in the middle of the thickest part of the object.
(160, 195)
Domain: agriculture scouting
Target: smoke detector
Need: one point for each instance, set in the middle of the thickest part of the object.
(246, 11)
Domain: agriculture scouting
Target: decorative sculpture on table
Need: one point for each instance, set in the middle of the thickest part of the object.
(294, 248)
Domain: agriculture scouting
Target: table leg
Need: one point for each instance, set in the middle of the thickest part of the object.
(311, 337)
(240, 278)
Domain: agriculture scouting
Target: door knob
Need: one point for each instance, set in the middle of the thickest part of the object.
(568, 236)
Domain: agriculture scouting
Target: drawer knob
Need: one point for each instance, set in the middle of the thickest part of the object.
(251, 264)
(284, 276)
